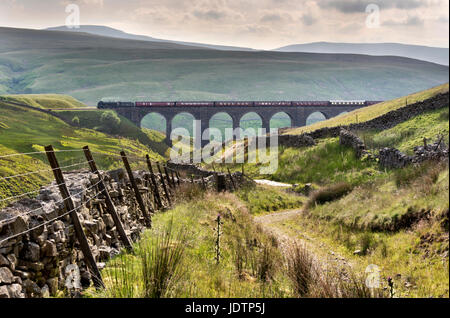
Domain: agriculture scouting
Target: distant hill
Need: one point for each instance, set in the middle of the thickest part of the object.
(424, 53)
(111, 32)
(46, 100)
(91, 67)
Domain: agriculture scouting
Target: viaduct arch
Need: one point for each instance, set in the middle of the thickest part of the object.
(297, 114)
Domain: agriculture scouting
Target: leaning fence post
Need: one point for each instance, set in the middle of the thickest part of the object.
(147, 217)
(219, 233)
(204, 183)
(173, 177)
(109, 203)
(70, 207)
(169, 182)
(231, 178)
(178, 178)
(155, 184)
(163, 183)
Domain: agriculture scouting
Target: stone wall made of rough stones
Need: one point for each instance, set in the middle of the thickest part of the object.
(394, 158)
(201, 175)
(348, 139)
(190, 169)
(33, 264)
(296, 141)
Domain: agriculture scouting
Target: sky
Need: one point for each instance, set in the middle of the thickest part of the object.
(260, 24)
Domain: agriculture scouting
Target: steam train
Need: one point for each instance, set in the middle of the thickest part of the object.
(112, 105)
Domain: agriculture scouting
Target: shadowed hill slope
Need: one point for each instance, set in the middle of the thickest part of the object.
(90, 68)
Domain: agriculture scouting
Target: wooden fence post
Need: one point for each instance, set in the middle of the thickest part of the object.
(166, 191)
(141, 203)
(231, 178)
(221, 183)
(169, 182)
(155, 184)
(178, 178)
(70, 207)
(109, 203)
(173, 177)
(204, 183)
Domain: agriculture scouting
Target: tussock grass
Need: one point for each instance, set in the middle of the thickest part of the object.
(300, 269)
(161, 262)
(310, 280)
(329, 193)
(151, 271)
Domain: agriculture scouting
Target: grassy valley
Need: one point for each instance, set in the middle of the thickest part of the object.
(314, 239)
(90, 67)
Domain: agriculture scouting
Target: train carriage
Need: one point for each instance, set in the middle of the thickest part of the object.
(112, 105)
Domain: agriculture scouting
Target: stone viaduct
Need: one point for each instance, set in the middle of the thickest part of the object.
(297, 114)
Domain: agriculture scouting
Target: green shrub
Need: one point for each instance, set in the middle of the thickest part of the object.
(110, 121)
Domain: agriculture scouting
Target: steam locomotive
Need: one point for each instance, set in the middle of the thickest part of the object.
(112, 105)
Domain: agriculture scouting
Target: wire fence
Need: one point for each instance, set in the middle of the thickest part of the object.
(118, 158)
(46, 222)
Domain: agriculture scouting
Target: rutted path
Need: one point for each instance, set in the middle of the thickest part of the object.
(325, 260)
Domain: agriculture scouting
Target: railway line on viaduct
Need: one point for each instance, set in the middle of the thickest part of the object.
(298, 112)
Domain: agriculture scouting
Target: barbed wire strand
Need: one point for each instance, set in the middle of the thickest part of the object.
(37, 152)
(40, 171)
(40, 208)
(46, 222)
(27, 193)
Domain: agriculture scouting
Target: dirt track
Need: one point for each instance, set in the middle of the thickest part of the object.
(324, 258)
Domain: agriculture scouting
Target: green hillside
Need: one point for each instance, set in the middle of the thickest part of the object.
(46, 100)
(370, 112)
(90, 68)
(23, 130)
(92, 119)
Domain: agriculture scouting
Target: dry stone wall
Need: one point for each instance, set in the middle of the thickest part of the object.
(393, 158)
(34, 264)
(346, 138)
(210, 179)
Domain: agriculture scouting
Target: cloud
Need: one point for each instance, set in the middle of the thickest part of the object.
(308, 19)
(255, 23)
(359, 6)
(409, 21)
(209, 14)
(271, 18)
